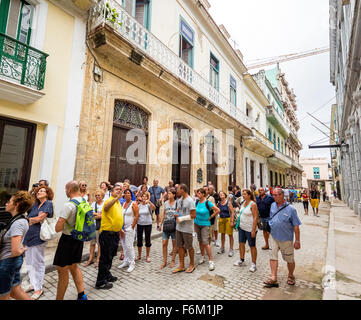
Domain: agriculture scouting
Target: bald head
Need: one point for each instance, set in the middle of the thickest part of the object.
(72, 189)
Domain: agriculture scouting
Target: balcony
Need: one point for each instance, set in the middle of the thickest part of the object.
(259, 143)
(297, 166)
(281, 160)
(22, 71)
(277, 121)
(109, 19)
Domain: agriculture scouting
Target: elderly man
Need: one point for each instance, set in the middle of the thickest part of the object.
(264, 203)
(156, 195)
(284, 224)
(111, 229)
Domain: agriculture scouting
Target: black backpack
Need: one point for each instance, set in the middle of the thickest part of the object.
(209, 210)
(5, 227)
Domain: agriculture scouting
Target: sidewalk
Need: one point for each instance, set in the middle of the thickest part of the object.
(346, 240)
(52, 245)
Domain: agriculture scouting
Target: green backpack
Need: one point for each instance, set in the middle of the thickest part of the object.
(85, 228)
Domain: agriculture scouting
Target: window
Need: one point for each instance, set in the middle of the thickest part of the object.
(316, 173)
(214, 72)
(278, 143)
(186, 43)
(274, 141)
(141, 12)
(16, 16)
(270, 134)
(233, 90)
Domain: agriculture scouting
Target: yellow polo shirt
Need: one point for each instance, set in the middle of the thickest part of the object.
(112, 220)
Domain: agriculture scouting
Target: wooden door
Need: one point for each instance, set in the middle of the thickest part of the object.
(181, 164)
(17, 140)
(126, 117)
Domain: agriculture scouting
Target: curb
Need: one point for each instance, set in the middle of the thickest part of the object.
(329, 271)
(85, 256)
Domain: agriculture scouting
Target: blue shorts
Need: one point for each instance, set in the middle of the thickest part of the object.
(244, 235)
(167, 235)
(10, 274)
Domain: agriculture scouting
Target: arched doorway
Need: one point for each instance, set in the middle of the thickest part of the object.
(181, 157)
(128, 116)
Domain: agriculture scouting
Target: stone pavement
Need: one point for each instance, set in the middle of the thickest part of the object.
(347, 242)
(148, 282)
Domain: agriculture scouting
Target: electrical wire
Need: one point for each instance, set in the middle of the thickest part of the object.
(318, 109)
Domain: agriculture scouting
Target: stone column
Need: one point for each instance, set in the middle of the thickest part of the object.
(355, 164)
(348, 171)
(357, 99)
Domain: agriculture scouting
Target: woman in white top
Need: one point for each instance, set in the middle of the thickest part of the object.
(97, 206)
(247, 228)
(131, 216)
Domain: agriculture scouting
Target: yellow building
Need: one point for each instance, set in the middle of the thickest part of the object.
(42, 52)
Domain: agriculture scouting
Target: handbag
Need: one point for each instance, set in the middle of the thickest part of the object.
(170, 225)
(158, 202)
(47, 229)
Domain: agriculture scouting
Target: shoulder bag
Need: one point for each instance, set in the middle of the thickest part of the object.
(169, 226)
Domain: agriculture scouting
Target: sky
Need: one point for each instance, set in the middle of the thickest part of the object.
(264, 28)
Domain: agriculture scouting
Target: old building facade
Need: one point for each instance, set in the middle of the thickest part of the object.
(345, 75)
(175, 81)
(41, 76)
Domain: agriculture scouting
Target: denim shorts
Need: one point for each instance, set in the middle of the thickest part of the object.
(167, 235)
(10, 274)
(244, 235)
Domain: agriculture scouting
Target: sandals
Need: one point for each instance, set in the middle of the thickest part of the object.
(121, 256)
(291, 280)
(271, 283)
(178, 270)
(88, 263)
(148, 259)
(265, 248)
(190, 270)
(36, 296)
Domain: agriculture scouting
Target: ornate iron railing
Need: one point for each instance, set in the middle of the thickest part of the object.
(111, 13)
(21, 63)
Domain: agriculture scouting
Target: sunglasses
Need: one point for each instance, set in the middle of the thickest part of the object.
(83, 185)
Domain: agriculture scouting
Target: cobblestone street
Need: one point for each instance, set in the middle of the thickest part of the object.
(148, 282)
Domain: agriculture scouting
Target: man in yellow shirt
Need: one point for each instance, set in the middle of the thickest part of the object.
(110, 232)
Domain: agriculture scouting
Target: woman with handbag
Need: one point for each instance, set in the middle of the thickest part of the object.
(35, 254)
(205, 211)
(97, 206)
(168, 226)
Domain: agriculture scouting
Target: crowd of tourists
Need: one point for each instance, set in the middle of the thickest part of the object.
(123, 214)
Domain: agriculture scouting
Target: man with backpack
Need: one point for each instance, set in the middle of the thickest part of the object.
(111, 229)
(69, 251)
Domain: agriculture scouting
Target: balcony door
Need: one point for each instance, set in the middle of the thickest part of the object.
(16, 155)
(123, 164)
(16, 17)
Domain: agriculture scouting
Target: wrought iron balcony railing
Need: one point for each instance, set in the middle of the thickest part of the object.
(111, 13)
(21, 63)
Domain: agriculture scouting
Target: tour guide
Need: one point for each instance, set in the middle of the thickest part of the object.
(284, 222)
(110, 232)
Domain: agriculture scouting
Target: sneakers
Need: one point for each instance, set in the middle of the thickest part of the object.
(230, 253)
(238, 263)
(198, 252)
(201, 260)
(123, 265)
(253, 267)
(131, 267)
(84, 297)
(221, 250)
(211, 266)
(217, 244)
(105, 286)
(112, 279)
